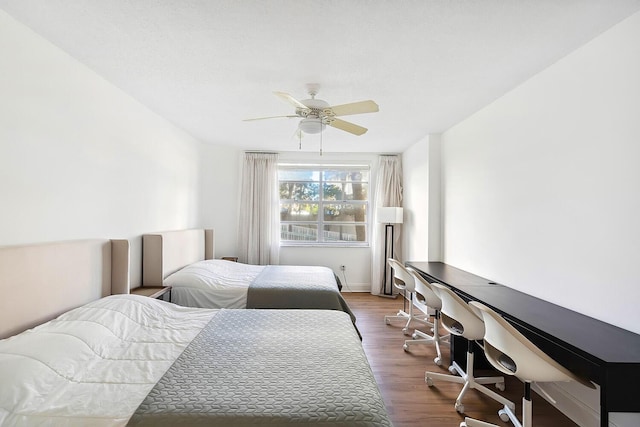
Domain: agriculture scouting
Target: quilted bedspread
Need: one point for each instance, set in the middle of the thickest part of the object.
(306, 287)
(272, 367)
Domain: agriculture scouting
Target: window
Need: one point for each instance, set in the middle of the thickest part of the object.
(324, 204)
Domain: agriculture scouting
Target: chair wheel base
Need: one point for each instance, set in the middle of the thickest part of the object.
(459, 408)
(504, 416)
(500, 386)
(438, 361)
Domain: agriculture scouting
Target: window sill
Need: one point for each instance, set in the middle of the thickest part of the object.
(324, 245)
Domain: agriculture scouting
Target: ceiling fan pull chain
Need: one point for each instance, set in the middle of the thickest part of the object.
(321, 138)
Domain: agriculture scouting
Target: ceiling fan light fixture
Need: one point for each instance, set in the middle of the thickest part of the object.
(311, 125)
(316, 114)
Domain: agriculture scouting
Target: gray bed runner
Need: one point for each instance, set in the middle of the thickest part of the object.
(274, 367)
(282, 286)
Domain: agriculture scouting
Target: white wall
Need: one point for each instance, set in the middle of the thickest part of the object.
(357, 261)
(221, 175)
(540, 188)
(422, 208)
(415, 170)
(81, 159)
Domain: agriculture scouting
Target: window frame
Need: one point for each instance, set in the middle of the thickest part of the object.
(320, 222)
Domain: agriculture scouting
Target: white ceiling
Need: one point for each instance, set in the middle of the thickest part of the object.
(206, 65)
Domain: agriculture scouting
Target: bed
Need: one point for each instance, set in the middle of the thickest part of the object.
(131, 360)
(184, 260)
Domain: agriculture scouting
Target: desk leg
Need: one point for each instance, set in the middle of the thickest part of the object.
(458, 347)
(604, 414)
(616, 382)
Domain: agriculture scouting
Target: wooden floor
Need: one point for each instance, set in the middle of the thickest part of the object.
(400, 376)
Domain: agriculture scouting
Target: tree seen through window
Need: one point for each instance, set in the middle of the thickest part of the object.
(324, 205)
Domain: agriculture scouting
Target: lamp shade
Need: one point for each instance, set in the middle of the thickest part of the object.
(389, 215)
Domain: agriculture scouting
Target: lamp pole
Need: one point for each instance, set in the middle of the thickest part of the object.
(388, 215)
(388, 253)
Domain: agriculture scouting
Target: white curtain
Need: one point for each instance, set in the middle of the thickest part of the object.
(388, 193)
(259, 225)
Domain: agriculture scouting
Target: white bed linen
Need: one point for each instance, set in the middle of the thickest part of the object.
(216, 283)
(95, 364)
(213, 283)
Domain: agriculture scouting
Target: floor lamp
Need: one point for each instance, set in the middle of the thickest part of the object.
(388, 216)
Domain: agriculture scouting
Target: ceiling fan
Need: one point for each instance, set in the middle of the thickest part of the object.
(316, 114)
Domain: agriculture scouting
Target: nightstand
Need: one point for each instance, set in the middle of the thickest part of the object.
(152, 291)
(230, 258)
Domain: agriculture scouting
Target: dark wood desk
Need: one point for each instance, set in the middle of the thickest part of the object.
(606, 354)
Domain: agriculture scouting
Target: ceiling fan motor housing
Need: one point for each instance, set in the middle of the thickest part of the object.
(313, 117)
(314, 108)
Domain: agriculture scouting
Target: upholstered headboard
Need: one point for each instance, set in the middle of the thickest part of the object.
(39, 282)
(166, 252)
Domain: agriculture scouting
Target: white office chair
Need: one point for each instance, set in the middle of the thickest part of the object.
(425, 299)
(459, 319)
(405, 283)
(512, 353)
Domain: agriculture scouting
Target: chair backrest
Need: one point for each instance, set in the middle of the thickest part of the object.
(513, 354)
(400, 273)
(423, 287)
(457, 316)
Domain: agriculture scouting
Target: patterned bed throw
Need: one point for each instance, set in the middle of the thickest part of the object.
(285, 286)
(273, 367)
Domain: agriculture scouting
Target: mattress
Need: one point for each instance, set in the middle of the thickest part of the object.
(226, 284)
(98, 364)
(93, 365)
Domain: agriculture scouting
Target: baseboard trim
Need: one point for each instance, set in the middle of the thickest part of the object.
(356, 287)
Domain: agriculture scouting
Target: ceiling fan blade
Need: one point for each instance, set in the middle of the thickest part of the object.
(355, 108)
(347, 126)
(290, 99)
(272, 117)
